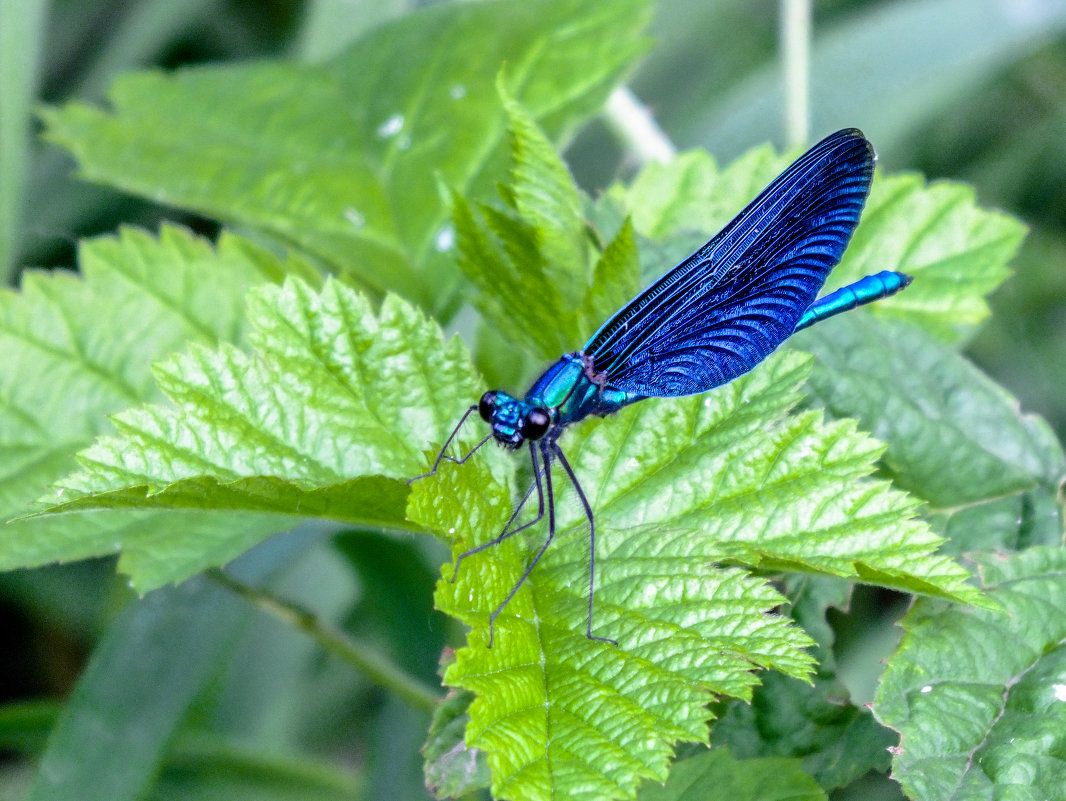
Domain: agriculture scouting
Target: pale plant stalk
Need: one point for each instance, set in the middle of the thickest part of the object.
(795, 66)
(636, 128)
(372, 664)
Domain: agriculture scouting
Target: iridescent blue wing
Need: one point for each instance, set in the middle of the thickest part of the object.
(726, 307)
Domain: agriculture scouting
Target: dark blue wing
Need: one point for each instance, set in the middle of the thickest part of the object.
(726, 307)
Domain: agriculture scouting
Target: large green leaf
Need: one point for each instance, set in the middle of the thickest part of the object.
(980, 698)
(336, 392)
(325, 419)
(561, 715)
(678, 487)
(77, 349)
(341, 159)
(955, 438)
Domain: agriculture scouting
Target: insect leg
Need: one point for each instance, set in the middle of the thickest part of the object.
(514, 515)
(441, 457)
(592, 538)
(547, 455)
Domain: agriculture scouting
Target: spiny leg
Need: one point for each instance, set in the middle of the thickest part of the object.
(592, 539)
(447, 442)
(546, 454)
(505, 533)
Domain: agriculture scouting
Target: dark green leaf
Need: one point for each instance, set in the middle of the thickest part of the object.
(817, 723)
(1013, 522)
(717, 776)
(112, 733)
(25, 725)
(955, 437)
(209, 768)
(835, 741)
(980, 698)
(453, 770)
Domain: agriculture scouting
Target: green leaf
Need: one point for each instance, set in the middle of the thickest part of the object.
(25, 725)
(111, 735)
(818, 723)
(1014, 522)
(835, 741)
(718, 776)
(76, 349)
(956, 438)
(546, 199)
(692, 192)
(366, 501)
(333, 391)
(452, 770)
(678, 486)
(199, 765)
(811, 598)
(540, 243)
(616, 277)
(498, 254)
(979, 698)
(157, 548)
(770, 489)
(549, 700)
(341, 160)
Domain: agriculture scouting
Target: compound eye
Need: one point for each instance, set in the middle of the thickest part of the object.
(536, 424)
(487, 405)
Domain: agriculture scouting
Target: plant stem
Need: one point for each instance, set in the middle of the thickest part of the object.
(632, 122)
(22, 24)
(374, 665)
(795, 64)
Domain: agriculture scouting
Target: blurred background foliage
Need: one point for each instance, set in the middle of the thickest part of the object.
(970, 90)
